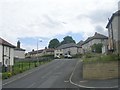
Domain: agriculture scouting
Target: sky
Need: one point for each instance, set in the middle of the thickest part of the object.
(34, 20)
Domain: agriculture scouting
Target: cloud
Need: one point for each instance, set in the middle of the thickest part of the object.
(100, 29)
(49, 18)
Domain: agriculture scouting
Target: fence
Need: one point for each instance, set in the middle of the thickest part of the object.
(21, 65)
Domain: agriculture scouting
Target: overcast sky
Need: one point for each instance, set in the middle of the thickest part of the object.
(29, 20)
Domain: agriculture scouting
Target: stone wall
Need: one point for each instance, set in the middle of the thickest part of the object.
(100, 70)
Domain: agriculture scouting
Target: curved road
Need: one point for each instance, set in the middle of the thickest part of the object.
(55, 74)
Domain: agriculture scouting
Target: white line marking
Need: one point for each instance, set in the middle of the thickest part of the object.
(66, 81)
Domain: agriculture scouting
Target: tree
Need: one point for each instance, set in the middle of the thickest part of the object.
(67, 39)
(97, 48)
(54, 43)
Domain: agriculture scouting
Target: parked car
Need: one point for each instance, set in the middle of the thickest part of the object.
(67, 56)
(57, 56)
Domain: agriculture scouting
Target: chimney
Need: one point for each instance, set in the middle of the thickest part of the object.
(45, 47)
(95, 33)
(18, 44)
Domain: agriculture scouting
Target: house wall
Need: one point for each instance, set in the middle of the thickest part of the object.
(116, 34)
(19, 54)
(1, 53)
(87, 47)
(73, 50)
(9, 55)
(115, 28)
(48, 53)
(58, 52)
(80, 51)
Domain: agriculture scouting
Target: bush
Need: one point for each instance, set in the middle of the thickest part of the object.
(77, 56)
(88, 55)
(49, 55)
(6, 75)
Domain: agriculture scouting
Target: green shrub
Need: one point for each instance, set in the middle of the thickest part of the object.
(6, 75)
(77, 56)
(49, 55)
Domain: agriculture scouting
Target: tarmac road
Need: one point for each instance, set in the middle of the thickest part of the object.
(55, 74)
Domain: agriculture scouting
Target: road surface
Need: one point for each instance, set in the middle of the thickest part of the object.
(55, 74)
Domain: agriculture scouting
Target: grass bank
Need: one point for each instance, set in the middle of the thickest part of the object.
(91, 58)
(98, 66)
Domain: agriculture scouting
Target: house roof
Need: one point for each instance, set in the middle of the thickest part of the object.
(49, 50)
(67, 46)
(35, 52)
(117, 13)
(19, 49)
(96, 36)
(80, 43)
(40, 51)
(5, 43)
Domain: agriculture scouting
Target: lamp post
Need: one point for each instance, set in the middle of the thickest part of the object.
(37, 46)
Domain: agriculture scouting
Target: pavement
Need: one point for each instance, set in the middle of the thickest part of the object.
(76, 79)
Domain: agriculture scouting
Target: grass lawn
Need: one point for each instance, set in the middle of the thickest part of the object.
(90, 58)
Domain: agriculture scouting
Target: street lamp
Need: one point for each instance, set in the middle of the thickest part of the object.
(38, 40)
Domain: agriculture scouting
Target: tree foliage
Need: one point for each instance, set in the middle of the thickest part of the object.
(67, 39)
(54, 43)
(97, 48)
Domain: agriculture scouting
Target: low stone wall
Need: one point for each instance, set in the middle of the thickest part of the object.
(106, 70)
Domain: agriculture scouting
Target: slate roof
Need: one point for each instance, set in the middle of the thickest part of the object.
(19, 49)
(40, 51)
(67, 46)
(117, 13)
(96, 36)
(49, 50)
(5, 43)
(35, 52)
(80, 43)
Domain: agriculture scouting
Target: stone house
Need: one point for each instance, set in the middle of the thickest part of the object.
(19, 52)
(40, 53)
(97, 38)
(70, 48)
(114, 33)
(6, 53)
(80, 50)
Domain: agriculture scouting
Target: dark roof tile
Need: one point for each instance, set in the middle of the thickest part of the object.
(67, 46)
(96, 36)
(117, 13)
(5, 43)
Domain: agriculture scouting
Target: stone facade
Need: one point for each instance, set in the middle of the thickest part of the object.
(97, 38)
(19, 52)
(114, 32)
(70, 48)
(40, 53)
